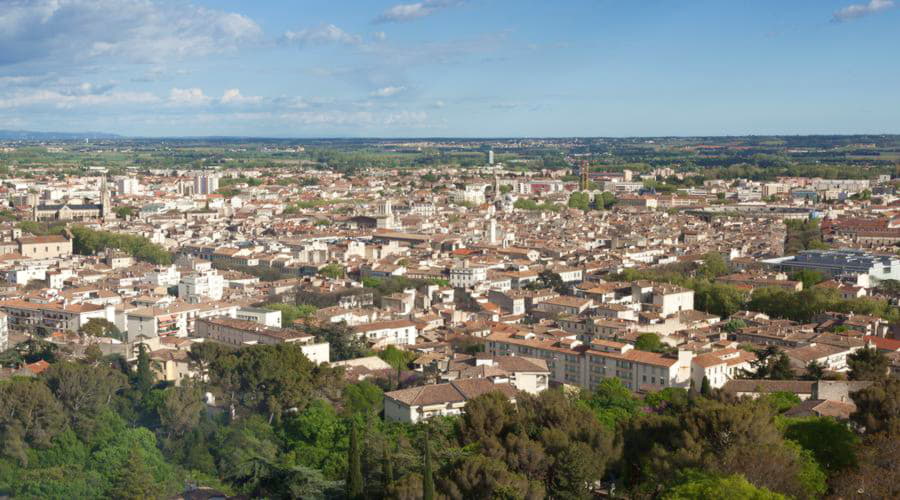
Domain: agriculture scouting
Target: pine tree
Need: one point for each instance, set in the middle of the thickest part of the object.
(134, 480)
(144, 376)
(354, 466)
(427, 474)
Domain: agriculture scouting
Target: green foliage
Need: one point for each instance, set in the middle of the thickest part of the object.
(98, 327)
(868, 364)
(611, 402)
(733, 325)
(831, 442)
(364, 398)
(649, 342)
(878, 406)
(399, 359)
(333, 271)
(89, 242)
(579, 200)
(808, 277)
(427, 473)
(782, 401)
(533, 206)
(291, 313)
(803, 235)
(713, 266)
(355, 481)
(704, 486)
(343, 343)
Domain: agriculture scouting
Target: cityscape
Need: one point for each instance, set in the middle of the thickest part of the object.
(384, 292)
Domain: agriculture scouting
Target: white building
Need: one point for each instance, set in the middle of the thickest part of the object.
(4, 333)
(128, 186)
(266, 317)
(718, 367)
(164, 276)
(199, 286)
(399, 332)
(467, 276)
(421, 403)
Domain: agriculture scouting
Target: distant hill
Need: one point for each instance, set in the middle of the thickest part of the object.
(26, 135)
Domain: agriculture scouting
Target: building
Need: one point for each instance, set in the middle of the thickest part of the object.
(421, 403)
(238, 332)
(265, 317)
(466, 276)
(573, 362)
(840, 262)
(26, 315)
(384, 333)
(206, 184)
(45, 247)
(718, 367)
(525, 374)
(200, 286)
(73, 211)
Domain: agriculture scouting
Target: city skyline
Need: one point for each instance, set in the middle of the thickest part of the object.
(448, 68)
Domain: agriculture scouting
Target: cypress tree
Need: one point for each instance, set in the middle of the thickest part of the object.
(705, 388)
(354, 466)
(388, 467)
(427, 475)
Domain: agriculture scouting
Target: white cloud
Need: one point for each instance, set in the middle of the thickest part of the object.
(188, 97)
(233, 96)
(380, 36)
(326, 33)
(142, 31)
(410, 11)
(356, 118)
(857, 10)
(387, 91)
(60, 100)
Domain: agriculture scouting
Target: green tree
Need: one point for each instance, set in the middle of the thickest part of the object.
(700, 486)
(333, 271)
(134, 480)
(649, 342)
(877, 406)
(579, 200)
(867, 364)
(714, 265)
(832, 444)
(98, 327)
(611, 402)
(427, 473)
(808, 277)
(355, 484)
(364, 398)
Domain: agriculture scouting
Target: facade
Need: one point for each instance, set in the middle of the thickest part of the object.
(573, 362)
(399, 332)
(238, 332)
(718, 367)
(45, 247)
(466, 276)
(265, 317)
(200, 286)
(4, 333)
(421, 403)
(52, 316)
(206, 184)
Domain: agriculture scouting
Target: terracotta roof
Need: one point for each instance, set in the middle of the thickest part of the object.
(452, 392)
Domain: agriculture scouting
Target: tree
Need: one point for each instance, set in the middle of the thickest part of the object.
(343, 343)
(713, 266)
(579, 200)
(355, 485)
(31, 416)
(700, 486)
(809, 277)
(705, 388)
(364, 398)
(877, 406)
(181, 408)
(612, 402)
(814, 371)
(832, 444)
(144, 378)
(387, 468)
(83, 390)
(98, 327)
(427, 473)
(134, 481)
(649, 342)
(733, 325)
(333, 271)
(867, 364)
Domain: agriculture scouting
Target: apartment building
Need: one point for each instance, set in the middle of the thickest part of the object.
(574, 362)
(53, 316)
(383, 333)
(238, 332)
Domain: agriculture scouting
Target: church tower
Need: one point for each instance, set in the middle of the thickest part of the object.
(106, 208)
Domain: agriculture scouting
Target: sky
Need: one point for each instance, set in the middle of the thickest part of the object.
(450, 68)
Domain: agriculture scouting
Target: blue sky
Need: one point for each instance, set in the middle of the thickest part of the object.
(460, 68)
